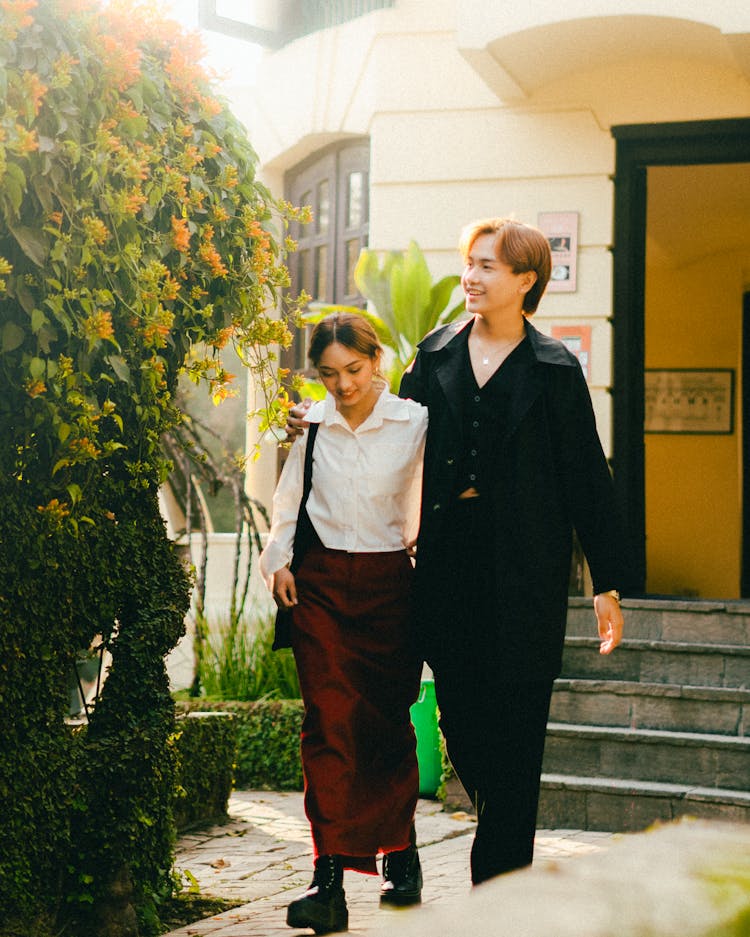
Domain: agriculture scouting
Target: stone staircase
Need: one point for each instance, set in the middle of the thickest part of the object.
(658, 730)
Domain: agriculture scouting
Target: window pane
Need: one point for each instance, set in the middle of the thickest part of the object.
(321, 271)
(355, 200)
(306, 271)
(352, 255)
(324, 207)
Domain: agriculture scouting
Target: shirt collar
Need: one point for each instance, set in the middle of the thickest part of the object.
(387, 407)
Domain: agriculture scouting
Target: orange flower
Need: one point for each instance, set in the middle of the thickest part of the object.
(55, 510)
(223, 337)
(133, 202)
(191, 157)
(35, 388)
(83, 448)
(34, 89)
(99, 325)
(121, 63)
(170, 289)
(210, 256)
(96, 230)
(180, 235)
(26, 141)
(15, 16)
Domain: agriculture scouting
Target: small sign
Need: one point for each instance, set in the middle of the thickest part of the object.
(561, 228)
(577, 338)
(679, 400)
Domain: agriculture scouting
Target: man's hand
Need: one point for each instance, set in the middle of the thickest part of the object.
(609, 620)
(295, 421)
(284, 588)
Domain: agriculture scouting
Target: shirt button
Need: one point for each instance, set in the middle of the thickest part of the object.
(475, 424)
(472, 478)
(435, 507)
(473, 451)
(477, 399)
(449, 461)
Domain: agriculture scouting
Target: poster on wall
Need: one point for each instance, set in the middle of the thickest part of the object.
(679, 400)
(576, 338)
(561, 228)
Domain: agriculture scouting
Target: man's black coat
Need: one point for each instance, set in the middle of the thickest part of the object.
(552, 477)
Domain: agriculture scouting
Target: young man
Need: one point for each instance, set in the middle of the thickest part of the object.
(513, 463)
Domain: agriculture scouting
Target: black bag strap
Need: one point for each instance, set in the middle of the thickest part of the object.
(304, 533)
(307, 476)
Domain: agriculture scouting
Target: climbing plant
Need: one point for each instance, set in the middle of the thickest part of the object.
(135, 244)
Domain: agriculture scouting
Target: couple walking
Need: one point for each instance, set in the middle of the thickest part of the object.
(491, 453)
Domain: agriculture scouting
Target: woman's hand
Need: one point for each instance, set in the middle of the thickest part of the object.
(284, 588)
(610, 621)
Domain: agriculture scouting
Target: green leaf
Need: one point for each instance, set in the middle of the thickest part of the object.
(119, 365)
(12, 336)
(410, 293)
(38, 319)
(37, 368)
(31, 242)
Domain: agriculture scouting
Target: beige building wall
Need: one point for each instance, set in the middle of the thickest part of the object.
(475, 108)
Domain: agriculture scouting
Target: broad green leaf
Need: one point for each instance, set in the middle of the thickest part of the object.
(120, 366)
(38, 319)
(31, 242)
(410, 293)
(12, 336)
(75, 492)
(37, 368)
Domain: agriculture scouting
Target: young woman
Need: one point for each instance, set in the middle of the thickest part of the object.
(351, 623)
(513, 465)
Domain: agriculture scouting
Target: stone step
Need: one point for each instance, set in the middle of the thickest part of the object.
(607, 804)
(647, 661)
(693, 621)
(719, 710)
(690, 758)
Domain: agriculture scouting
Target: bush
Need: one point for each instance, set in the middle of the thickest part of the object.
(268, 732)
(206, 746)
(135, 243)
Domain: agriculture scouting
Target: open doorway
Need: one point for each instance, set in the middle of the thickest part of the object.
(682, 266)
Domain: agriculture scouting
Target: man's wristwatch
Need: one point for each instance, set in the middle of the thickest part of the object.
(614, 593)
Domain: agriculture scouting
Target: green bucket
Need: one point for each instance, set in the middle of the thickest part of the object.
(429, 757)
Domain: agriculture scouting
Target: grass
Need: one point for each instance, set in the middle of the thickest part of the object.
(238, 663)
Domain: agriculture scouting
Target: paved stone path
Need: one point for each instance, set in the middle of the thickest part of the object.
(263, 858)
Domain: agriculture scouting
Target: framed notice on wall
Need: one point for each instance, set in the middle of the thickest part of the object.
(577, 338)
(561, 228)
(678, 400)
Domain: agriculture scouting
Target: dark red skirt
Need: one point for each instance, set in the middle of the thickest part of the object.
(353, 642)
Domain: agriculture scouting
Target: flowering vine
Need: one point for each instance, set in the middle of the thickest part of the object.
(135, 243)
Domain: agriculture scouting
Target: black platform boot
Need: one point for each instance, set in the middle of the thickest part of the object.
(323, 906)
(402, 878)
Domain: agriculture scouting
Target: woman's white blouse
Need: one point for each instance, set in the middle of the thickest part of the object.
(366, 483)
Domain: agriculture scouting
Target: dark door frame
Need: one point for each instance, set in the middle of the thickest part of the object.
(745, 369)
(639, 146)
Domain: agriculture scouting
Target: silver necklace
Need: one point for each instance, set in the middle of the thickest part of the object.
(496, 351)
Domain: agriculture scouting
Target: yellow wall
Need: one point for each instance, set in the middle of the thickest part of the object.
(693, 483)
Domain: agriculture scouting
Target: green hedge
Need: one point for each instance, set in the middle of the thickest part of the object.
(206, 746)
(267, 755)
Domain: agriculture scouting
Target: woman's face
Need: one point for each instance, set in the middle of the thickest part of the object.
(347, 375)
(489, 284)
